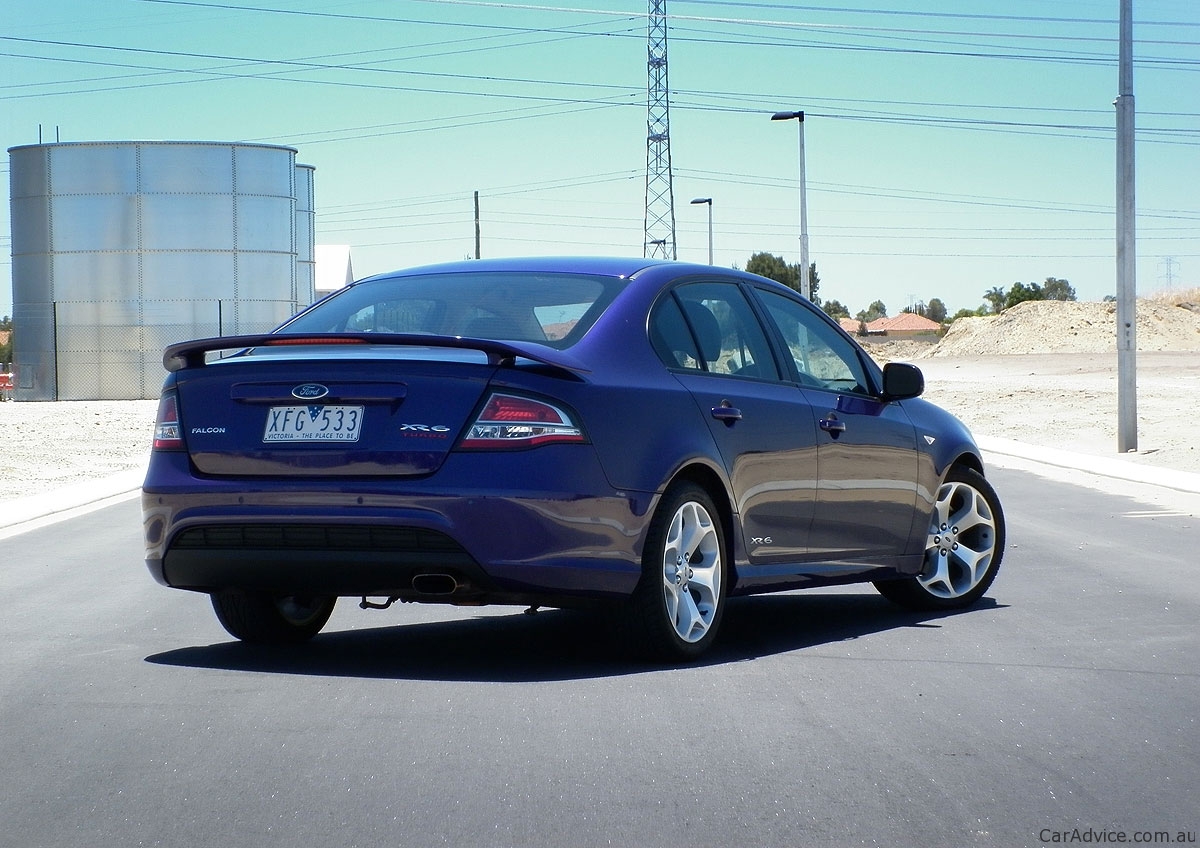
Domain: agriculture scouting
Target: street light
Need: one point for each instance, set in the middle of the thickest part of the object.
(708, 200)
(805, 281)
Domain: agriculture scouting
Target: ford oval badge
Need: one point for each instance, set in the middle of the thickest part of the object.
(310, 391)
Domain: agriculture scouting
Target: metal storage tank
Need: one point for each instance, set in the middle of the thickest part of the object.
(306, 235)
(121, 248)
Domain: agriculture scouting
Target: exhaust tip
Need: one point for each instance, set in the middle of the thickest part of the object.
(434, 584)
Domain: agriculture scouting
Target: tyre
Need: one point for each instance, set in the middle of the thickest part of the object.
(676, 609)
(263, 618)
(963, 549)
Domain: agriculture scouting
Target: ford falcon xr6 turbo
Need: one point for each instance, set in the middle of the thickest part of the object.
(639, 436)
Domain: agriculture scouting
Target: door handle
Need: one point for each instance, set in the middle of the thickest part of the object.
(832, 426)
(726, 412)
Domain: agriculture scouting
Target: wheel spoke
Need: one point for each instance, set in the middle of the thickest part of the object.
(671, 597)
(975, 563)
(692, 527)
(704, 581)
(689, 623)
(938, 581)
(941, 509)
(974, 511)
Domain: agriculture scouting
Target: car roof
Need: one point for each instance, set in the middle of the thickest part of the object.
(609, 266)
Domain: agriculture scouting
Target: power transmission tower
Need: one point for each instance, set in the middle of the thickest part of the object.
(1170, 264)
(660, 196)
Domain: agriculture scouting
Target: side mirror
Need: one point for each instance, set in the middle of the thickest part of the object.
(901, 381)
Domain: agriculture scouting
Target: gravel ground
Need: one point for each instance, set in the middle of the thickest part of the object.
(1069, 401)
(45, 446)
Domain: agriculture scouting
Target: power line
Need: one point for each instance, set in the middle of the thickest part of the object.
(621, 95)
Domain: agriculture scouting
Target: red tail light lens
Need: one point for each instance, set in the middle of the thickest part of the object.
(513, 422)
(168, 435)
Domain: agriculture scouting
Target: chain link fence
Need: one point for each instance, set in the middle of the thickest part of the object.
(112, 350)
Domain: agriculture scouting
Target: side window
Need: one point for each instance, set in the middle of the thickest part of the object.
(729, 336)
(671, 338)
(823, 358)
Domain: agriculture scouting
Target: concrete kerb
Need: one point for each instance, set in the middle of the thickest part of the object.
(21, 514)
(18, 515)
(1113, 467)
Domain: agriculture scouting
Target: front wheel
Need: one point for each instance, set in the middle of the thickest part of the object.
(676, 609)
(263, 618)
(962, 551)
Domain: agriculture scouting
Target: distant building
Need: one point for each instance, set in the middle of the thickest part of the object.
(334, 269)
(906, 325)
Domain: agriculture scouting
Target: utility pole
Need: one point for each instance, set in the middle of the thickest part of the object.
(477, 225)
(1126, 244)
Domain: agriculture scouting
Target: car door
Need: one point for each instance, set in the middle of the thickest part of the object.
(709, 336)
(867, 454)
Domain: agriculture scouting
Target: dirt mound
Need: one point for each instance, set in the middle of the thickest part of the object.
(895, 350)
(1054, 326)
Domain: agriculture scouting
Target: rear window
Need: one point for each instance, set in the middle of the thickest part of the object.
(551, 309)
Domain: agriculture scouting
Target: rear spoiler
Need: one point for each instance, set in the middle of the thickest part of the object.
(191, 354)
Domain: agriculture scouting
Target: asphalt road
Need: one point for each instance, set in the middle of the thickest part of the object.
(1067, 700)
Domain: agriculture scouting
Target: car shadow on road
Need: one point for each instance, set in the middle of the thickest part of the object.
(558, 644)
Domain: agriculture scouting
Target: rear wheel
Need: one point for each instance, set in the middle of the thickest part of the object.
(264, 618)
(676, 609)
(963, 549)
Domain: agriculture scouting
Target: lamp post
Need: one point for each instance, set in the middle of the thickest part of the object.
(805, 281)
(708, 200)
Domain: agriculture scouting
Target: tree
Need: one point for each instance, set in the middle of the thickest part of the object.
(872, 312)
(1020, 292)
(834, 309)
(1052, 289)
(1056, 289)
(968, 313)
(996, 297)
(814, 283)
(775, 268)
(935, 310)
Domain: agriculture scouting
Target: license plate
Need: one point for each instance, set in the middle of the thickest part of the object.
(313, 424)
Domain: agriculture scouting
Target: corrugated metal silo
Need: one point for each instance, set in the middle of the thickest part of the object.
(306, 235)
(120, 248)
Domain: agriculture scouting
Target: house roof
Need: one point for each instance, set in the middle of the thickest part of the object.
(905, 322)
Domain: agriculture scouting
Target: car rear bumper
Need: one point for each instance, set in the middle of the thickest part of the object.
(453, 542)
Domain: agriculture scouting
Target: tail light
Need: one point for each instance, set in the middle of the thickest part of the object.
(510, 422)
(168, 435)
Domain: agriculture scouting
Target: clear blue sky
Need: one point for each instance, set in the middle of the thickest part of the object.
(951, 145)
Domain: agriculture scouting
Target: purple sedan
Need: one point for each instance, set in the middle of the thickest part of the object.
(644, 437)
